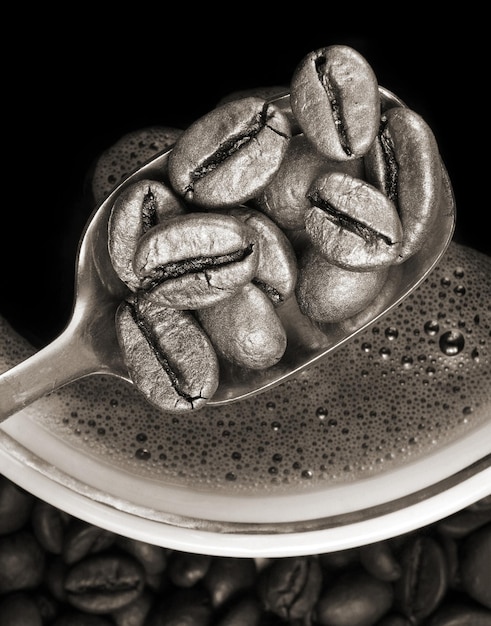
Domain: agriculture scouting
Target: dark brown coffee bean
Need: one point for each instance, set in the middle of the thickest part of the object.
(135, 613)
(458, 614)
(19, 609)
(227, 577)
(379, 561)
(186, 569)
(82, 538)
(22, 562)
(227, 156)
(330, 294)
(102, 583)
(475, 565)
(355, 598)
(353, 224)
(290, 587)
(285, 199)
(245, 329)
(48, 525)
(139, 207)
(152, 557)
(336, 101)
(424, 579)
(169, 357)
(464, 522)
(195, 260)
(15, 506)
(276, 271)
(404, 163)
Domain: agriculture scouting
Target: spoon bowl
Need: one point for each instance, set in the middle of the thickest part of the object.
(88, 345)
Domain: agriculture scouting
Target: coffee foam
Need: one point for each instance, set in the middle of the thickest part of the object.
(417, 379)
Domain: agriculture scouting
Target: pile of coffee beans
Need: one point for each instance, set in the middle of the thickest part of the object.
(56, 570)
(314, 195)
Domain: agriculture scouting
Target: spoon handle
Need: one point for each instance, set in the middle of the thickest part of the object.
(48, 369)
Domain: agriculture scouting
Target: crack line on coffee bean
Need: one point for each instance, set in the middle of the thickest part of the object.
(150, 338)
(269, 290)
(148, 211)
(391, 166)
(335, 102)
(194, 265)
(366, 232)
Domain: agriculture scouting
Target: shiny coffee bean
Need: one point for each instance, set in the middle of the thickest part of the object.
(285, 199)
(424, 578)
(353, 224)
(245, 611)
(139, 207)
(168, 356)
(330, 294)
(152, 557)
(404, 163)
(276, 271)
(186, 569)
(22, 561)
(460, 614)
(245, 329)
(475, 565)
(464, 522)
(81, 539)
(336, 101)
(379, 561)
(355, 598)
(135, 613)
(15, 506)
(227, 156)
(195, 260)
(49, 525)
(290, 587)
(104, 582)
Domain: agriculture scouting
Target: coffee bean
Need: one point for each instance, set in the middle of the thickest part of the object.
(336, 101)
(460, 614)
(404, 163)
(285, 199)
(227, 577)
(82, 539)
(189, 607)
(352, 224)
(379, 561)
(276, 271)
(475, 565)
(169, 357)
(245, 329)
(102, 583)
(139, 207)
(424, 578)
(227, 156)
(15, 506)
(134, 613)
(195, 260)
(290, 587)
(328, 293)
(48, 525)
(186, 569)
(19, 609)
(152, 557)
(354, 599)
(22, 561)
(246, 611)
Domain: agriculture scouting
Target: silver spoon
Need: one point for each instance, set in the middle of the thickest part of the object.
(88, 344)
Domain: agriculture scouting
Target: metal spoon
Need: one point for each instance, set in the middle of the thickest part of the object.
(89, 345)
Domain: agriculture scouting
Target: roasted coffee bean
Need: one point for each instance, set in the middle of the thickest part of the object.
(290, 587)
(336, 101)
(135, 613)
(139, 207)
(424, 578)
(285, 199)
(186, 569)
(195, 260)
(353, 224)
(328, 293)
(404, 163)
(186, 607)
(152, 557)
(245, 329)
(169, 357)
(379, 561)
(464, 522)
(22, 561)
(49, 525)
(104, 582)
(15, 506)
(353, 599)
(475, 565)
(82, 539)
(276, 271)
(19, 609)
(227, 156)
(245, 611)
(227, 577)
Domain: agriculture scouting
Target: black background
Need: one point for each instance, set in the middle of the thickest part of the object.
(79, 84)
